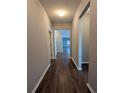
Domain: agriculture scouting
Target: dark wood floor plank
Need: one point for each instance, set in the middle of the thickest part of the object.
(63, 77)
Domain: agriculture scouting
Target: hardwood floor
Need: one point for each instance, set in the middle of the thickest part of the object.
(63, 77)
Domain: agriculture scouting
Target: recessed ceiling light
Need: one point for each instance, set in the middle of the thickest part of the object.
(61, 12)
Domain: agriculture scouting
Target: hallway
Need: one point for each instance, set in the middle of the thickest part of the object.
(73, 68)
(63, 77)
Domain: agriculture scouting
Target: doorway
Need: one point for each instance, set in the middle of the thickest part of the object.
(84, 36)
(66, 42)
(51, 44)
(62, 41)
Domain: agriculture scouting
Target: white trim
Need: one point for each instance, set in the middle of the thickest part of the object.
(36, 86)
(74, 62)
(90, 88)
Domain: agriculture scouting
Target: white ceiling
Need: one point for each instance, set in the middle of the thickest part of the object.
(69, 6)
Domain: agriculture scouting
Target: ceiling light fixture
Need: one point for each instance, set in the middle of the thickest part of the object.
(61, 12)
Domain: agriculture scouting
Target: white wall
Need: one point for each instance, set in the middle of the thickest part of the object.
(80, 42)
(38, 53)
(58, 38)
(85, 39)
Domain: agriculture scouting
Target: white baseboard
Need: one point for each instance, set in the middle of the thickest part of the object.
(74, 62)
(38, 83)
(90, 88)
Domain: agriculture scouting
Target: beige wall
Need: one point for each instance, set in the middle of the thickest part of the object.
(81, 7)
(38, 53)
(93, 46)
(92, 75)
(62, 26)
